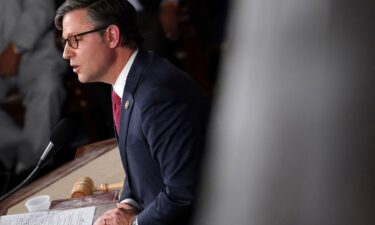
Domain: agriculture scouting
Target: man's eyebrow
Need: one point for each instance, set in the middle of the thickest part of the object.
(67, 34)
(62, 36)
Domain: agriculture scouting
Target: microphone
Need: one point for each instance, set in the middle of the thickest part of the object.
(60, 137)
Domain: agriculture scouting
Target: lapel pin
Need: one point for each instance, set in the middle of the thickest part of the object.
(126, 104)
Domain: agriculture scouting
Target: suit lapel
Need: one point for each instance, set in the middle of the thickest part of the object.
(141, 62)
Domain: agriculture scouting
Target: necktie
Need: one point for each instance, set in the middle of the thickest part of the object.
(116, 106)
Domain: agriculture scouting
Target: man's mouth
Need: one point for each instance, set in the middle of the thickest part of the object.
(75, 68)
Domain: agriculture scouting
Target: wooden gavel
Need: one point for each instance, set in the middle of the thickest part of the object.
(85, 186)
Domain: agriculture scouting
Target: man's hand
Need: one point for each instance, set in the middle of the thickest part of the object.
(122, 215)
(168, 19)
(9, 61)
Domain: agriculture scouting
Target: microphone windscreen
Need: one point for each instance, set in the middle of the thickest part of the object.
(63, 133)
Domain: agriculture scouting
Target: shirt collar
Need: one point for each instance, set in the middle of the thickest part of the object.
(119, 85)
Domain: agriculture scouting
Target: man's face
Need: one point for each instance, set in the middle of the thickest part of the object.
(91, 60)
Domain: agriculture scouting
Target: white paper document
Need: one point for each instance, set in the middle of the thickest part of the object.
(79, 216)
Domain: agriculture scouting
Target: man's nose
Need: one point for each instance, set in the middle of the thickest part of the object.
(67, 53)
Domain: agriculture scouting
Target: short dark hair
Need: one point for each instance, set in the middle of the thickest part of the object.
(104, 13)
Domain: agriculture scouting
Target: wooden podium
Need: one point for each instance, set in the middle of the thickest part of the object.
(100, 161)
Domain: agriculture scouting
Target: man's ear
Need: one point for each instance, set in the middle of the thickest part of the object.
(113, 36)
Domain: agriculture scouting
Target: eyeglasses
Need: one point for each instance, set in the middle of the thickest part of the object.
(73, 41)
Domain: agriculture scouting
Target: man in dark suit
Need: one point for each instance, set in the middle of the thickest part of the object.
(162, 114)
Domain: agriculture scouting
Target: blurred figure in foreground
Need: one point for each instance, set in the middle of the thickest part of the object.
(29, 62)
(295, 132)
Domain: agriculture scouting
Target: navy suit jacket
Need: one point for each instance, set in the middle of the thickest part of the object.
(162, 134)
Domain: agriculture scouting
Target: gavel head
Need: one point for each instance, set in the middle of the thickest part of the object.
(82, 187)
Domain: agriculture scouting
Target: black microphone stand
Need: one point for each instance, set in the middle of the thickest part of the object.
(61, 135)
(25, 181)
(46, 155)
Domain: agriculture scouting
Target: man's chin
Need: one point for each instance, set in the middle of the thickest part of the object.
(83, 79)
(87, 79)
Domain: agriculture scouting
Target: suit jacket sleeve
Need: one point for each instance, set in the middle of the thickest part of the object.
(126, 192)
(171, 122)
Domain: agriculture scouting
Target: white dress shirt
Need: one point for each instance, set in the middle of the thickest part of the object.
(120, 83)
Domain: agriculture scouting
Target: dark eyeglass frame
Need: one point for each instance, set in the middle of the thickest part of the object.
(73, 41)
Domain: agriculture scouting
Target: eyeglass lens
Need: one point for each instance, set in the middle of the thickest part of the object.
(73, 41)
